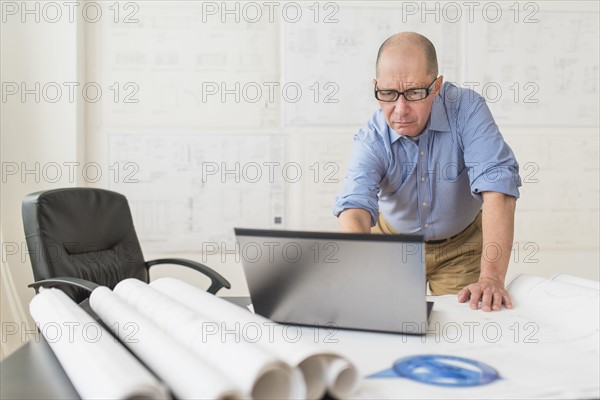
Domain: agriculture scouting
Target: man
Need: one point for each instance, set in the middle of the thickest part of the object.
(425, 164)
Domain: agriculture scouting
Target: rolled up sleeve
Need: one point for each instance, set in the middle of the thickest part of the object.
(365, 172)
(491, 162)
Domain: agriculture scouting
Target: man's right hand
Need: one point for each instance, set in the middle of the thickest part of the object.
(355, 220)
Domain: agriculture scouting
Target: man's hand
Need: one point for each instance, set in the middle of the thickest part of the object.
(489, 291)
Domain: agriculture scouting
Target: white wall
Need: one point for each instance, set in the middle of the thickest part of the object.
(166, 127)
(36, 137)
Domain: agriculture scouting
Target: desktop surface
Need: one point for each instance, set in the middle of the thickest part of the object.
(546, 346)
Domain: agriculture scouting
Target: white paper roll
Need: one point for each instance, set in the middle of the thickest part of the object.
(98, 366)
(186, 374)
(255, 371)
(342, 377)
(322, 370)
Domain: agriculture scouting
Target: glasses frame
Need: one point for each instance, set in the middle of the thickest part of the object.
(428, 90)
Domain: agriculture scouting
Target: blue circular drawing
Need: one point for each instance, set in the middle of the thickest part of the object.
(445, 370)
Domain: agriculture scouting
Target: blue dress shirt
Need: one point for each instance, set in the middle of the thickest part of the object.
(432, 184)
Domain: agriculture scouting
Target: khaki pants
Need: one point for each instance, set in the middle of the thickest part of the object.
(453, 264)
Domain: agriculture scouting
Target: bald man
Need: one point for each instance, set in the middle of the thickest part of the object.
(432, 162)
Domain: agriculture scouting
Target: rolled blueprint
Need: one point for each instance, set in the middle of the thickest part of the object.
(186, 374)
(98, 366)
(254, 371)
(322, 370)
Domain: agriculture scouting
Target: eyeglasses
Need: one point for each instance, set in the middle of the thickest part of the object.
(390, 95)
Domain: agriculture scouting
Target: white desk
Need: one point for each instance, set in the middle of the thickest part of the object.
(547, 346)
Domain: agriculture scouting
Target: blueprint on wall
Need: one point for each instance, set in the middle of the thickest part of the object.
(339, 86)
(188, 192)
(546, 65)
(171, 53)
(186, 72)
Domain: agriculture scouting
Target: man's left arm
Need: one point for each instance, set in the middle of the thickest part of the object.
(498, 230)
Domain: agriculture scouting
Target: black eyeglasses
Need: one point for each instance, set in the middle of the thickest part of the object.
(390, 95)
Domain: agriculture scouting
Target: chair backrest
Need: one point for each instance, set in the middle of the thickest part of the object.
(82, 233)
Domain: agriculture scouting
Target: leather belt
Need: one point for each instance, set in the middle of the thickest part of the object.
(440, 241)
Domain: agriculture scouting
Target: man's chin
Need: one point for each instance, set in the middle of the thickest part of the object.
(411, 132)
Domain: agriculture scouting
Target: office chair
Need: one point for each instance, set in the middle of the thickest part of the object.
(81, 238)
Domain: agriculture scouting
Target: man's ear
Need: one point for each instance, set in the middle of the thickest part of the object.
(374, 82)
(438, 84)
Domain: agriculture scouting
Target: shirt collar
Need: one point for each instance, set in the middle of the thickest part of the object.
(439, 119)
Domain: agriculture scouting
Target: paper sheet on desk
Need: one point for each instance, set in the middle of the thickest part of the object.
(568, 307)
(97, 365)
(535, 354)
(575, 280)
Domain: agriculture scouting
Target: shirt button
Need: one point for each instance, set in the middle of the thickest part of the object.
(422, 153)
(424, 204)
(422, 179)
(426, 225)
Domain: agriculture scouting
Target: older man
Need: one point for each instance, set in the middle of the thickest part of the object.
(432, 161)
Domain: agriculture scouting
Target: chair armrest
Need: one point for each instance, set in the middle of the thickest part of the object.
(77, 282)
(217, 280)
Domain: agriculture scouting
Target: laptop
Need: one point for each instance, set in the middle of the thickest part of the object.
(337, 280)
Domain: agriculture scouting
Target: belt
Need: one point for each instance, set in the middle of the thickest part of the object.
(440, 241)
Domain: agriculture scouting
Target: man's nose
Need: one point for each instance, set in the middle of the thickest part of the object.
(401, 105)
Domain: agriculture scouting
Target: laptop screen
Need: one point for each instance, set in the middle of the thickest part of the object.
(344, 280)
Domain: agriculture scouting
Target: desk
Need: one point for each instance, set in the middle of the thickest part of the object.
(33, 371)
(547, 346)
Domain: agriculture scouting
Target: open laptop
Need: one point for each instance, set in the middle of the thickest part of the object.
(340, 280)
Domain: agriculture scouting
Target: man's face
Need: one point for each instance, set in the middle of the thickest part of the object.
(401, 70)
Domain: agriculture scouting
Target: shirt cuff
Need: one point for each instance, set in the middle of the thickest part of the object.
(346, 202)
(501, 179)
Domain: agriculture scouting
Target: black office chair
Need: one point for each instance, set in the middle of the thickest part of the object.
(80, 238)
